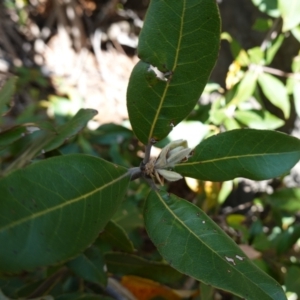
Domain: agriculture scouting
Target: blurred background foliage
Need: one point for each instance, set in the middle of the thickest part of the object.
(58, 56)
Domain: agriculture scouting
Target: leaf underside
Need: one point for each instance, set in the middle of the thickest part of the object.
(54, 209)
(203, 250)
(249, 153)
(180, 39)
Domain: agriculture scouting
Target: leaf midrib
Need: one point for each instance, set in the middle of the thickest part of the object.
(60, 206)
(173, 70)
(192, 232)
(233, 157)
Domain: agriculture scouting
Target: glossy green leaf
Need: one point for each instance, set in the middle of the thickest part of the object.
(276, 92)
(258, 119)
(116, 236)
(126, 264)
(54, 209)
(249, 153)
(203, 250)
(6, 92)
(181, 40)
(90, 266)
(290, 12)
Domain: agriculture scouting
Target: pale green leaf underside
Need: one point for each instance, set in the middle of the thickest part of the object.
(203, 250)
(52, 210)
(181, 39)
(249, 153)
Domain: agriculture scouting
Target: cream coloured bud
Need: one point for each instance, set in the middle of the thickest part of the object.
(169, 175)
(178, 156)
(171, 154)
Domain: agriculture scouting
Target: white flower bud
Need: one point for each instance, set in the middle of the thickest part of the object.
(178, 156)
(173, 153)
(169, 175)
(170, 155)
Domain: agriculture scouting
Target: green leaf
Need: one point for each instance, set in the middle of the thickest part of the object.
(258, 119)
(231, 124)
(285, 199)
(90, 266)
(287, 239)
(15, 133)
(296, 63)
(256, 55)
(207, 291)
(296, 33)
(270, 7)
(261, 24)
(180, 39)
(290, 12)
(126, 264)
(116, 236)
(128, 216)
(71, 128)
(276, 92)
(54, 209)
(45, 141)
(245, 88)
(272, 50)
(111, 134)
(292, 279)
(296, 94)
(194, 245)
(249, 153)
(6, 93)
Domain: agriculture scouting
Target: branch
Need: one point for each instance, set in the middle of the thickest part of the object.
(272, 34)
(273, 71)
(148, 151)
(135, 173)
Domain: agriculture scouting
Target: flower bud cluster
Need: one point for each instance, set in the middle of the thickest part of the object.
(175, 152)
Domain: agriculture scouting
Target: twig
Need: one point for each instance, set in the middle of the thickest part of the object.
(271, 35)
(148, 151)
(273, 71)
(135, 173)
